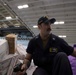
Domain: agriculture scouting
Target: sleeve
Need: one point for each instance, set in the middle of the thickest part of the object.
(66, 48)
(30, 47)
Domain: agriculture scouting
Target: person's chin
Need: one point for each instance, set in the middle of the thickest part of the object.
(47, 33)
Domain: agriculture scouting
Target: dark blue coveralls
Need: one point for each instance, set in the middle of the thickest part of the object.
(51, 60)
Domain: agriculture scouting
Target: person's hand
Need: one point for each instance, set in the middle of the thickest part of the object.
(23, 67)
(23, 70)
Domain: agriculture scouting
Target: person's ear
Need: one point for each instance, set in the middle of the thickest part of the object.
(39, 26)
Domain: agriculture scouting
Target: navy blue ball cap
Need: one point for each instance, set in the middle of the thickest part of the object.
(46, 20)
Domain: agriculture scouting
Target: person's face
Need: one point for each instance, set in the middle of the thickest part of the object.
(45, 28)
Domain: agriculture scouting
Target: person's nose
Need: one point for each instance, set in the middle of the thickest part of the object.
(49, 27)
